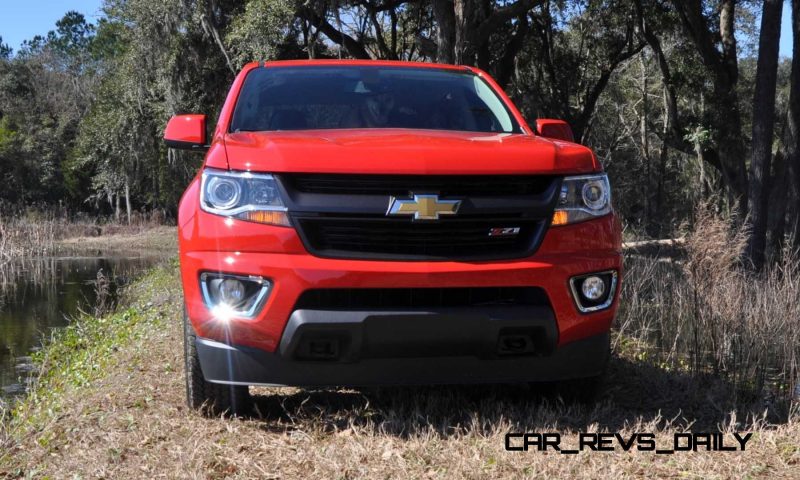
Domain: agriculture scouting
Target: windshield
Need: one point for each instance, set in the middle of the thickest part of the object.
(325, 97)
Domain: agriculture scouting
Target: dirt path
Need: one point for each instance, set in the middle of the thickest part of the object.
(113, 407)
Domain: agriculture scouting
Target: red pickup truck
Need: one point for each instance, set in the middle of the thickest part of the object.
(370, 222)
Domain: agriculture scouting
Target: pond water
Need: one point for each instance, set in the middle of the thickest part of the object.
(41, 295)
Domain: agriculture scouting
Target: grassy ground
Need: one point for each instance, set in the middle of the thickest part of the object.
(111, 405)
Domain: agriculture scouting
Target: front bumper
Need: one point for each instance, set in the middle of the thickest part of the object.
(222, 363)
(252, 350)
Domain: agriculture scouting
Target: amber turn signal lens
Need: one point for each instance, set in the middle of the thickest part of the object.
(270, 217)
(560, 217)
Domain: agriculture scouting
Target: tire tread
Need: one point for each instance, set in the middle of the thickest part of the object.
(212, 399)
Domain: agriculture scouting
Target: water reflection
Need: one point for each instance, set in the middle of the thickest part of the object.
(39, 295)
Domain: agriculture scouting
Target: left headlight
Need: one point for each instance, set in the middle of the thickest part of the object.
(253, 197)
(582, 198)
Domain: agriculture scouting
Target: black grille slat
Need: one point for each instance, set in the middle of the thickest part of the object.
(402, 238)
(449, 185)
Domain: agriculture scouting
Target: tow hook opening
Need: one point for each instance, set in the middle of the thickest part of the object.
(520, 341)
(319, 349)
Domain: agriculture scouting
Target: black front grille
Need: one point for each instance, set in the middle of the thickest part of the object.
(345, 215)
(399, 185)
(400, 238)
(403, 298)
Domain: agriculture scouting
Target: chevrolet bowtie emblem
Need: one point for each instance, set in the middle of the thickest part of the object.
(423, 207)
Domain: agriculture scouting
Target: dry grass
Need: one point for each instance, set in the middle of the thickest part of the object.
(705, 312)
(117, 411)
(160, 239)
(33, 233)
(83, 227)
(22, 237)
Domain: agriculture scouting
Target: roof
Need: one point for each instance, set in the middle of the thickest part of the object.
(378, 63)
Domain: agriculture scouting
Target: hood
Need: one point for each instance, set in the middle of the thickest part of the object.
(399, 151)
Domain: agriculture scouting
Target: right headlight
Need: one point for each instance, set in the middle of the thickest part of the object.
(582, 198)
(253, 197)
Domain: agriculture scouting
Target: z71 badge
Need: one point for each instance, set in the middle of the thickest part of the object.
(503, 231)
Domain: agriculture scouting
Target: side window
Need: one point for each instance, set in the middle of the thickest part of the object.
(494, 104)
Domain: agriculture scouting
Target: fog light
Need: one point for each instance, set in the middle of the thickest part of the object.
(594, 291)
(593, 288)
(232, 296)
(231, 291)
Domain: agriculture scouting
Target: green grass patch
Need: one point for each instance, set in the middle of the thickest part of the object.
(79, 355)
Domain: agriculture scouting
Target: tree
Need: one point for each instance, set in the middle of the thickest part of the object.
(715, 43)
(45, 91)
(763, 125)
(5, 50)
(792, 138)
(259, 32)
(72, 35)
(569, 59)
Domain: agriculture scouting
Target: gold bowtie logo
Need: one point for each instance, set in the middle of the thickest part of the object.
(423, 207)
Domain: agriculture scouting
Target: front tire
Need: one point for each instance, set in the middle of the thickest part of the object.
(585, 390)
(212, 399)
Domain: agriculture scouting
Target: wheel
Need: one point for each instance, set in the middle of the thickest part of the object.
(587, 390)
(583, 391)
(212, 399)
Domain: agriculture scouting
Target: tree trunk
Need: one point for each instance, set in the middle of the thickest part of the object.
(729, 119)
(645, 142)
(208, 25)
(779, 193)
(763, 128)
(672, 121)
(792, 139)
(128, 199)
(505, 67)
(662, 162)
(444, 16)
(464, 11)
(730, 147)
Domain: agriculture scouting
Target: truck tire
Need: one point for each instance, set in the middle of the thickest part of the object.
(212, 399)
(584, 391)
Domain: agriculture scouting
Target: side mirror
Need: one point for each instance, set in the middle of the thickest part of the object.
(187, 132)
(556, 129)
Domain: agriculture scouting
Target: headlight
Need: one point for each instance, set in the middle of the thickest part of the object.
(582, 198)
(247, 196)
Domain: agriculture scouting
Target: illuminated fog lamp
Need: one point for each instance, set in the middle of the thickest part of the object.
(593, 288)
(231, 291)
(223, 313)
(234, 296)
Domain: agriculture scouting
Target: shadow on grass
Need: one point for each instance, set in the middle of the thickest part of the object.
(633, 393)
